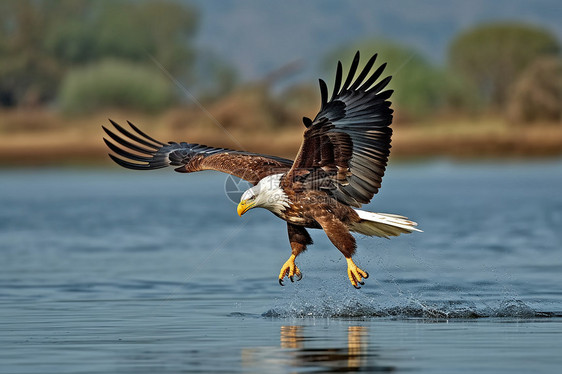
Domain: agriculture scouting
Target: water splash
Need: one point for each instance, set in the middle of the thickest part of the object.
(330, 307)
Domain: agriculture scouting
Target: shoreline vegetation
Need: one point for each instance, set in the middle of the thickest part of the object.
(64, 72)
(41, 137)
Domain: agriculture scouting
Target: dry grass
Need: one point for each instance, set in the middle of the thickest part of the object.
(37, 138)
(478, 138)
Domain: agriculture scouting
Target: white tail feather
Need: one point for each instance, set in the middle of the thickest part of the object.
(382, 224)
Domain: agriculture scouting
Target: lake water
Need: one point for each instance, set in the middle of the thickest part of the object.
(115, 271)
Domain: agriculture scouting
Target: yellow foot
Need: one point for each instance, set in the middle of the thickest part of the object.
(290, 269)
(355, 274)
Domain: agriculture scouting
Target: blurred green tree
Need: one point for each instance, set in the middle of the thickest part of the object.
(116, 83)
(27, 74)
(94, 30)
(537, 94)
(420, 88)
(493, 55)
(40, 40)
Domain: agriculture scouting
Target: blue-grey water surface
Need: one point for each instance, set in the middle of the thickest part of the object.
(115, 271)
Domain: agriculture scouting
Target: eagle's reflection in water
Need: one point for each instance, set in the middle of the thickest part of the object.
(315, 354)
(291, 337)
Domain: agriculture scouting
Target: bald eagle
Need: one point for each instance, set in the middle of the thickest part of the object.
(338, 168)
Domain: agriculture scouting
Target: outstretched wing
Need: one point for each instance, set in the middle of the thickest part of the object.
(346, 147)
(138, 151)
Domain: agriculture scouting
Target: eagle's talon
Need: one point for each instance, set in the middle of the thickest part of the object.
(355, 274)
(356, 287)
(290, 270)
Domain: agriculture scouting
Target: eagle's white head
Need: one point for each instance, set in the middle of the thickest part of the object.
(266, 194)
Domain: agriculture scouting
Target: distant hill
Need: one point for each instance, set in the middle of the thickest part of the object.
(259, 36)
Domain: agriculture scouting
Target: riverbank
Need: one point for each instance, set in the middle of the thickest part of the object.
(39, 138)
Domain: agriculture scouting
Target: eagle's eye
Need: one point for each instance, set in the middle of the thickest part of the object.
(248, 195)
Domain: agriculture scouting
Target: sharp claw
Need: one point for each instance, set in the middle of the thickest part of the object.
(281, 282)
(366, 275)
(356, 287)
(362, 283)
(291, 278)
(299, 276)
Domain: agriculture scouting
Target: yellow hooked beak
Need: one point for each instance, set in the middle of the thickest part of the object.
(243, 207)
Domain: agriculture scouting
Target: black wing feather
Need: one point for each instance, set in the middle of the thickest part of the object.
(337, 83)
(143, 134)
(364, 72)
(373, 78)
(134, 137)
(323, 92)
(126, 143)
(352, 70)
(131, 165)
